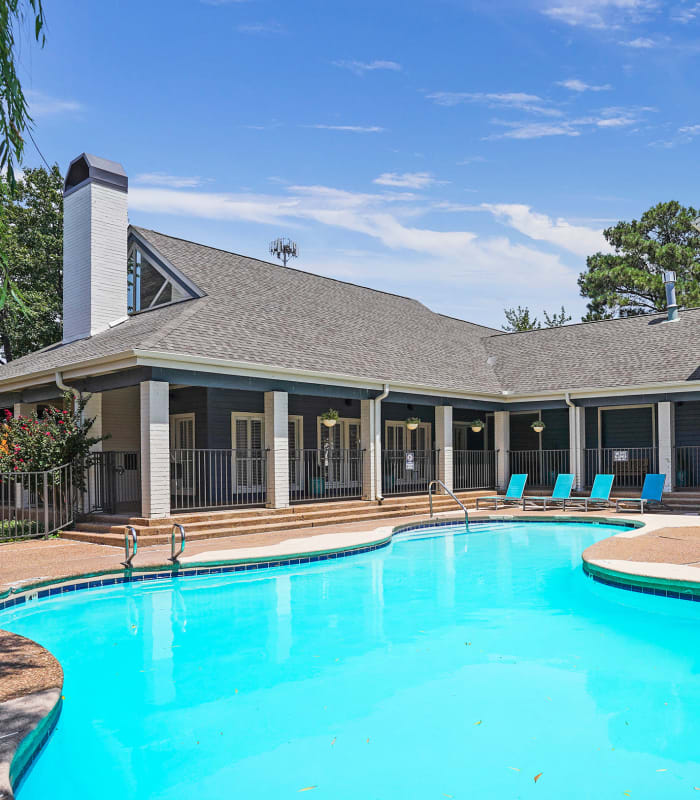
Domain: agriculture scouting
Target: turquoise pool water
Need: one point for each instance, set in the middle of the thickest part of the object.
(445, 665)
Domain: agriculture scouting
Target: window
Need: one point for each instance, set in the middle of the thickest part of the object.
(147, 285)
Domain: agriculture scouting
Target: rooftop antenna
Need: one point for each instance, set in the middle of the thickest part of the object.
(283, 249)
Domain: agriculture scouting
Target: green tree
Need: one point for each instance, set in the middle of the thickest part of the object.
(630, 280)
(14, 111)
(557, 319)
(519, 319)
(31, 236)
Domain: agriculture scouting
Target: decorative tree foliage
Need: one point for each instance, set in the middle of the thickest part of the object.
(519, 319)
(630, 281)
(31, 237)
(14, 112)
(36, 444)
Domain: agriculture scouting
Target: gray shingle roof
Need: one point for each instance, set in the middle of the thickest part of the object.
(259, 312)
(619, 352)
(263, 313)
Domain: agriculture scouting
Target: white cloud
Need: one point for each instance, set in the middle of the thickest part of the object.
(260, 27)
(520, 100)
(577, 239)
(534, 130)
(362, 67)
(408, 180)
(690, 130)
(458, 257)
(173, 181)
(685, 15)
(640, 43)
(611, 117)
(471, 160)
(600, 14)
(350, 128)
(576, 85)
(43, 105)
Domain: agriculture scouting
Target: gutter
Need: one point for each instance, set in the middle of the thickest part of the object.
(378, 437)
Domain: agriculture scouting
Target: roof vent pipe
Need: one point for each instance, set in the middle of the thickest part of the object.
(671, 305)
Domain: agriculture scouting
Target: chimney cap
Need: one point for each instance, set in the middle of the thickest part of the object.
(87, 168)
(669, 276)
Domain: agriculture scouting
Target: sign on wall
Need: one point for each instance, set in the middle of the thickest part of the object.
(410, 460)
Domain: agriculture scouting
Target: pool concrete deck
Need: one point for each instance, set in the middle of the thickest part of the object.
(666, 548)
(665, 539)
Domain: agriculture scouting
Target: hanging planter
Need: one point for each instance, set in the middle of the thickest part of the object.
(330, 418)
(538, 426)
(412, 423)
(477, 426)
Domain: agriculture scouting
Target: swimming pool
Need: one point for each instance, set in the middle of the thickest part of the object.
(445, 665)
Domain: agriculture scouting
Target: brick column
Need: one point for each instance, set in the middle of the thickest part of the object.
(501, 435)
(367, 444)
(93, 410)
(277, 446)
(443, 443)
(577, 445)
(666, 413)
(23, 409)
(155, 449)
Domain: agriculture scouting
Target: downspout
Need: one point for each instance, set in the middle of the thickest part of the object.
(65, 388)
(378, 438)
(567, 400)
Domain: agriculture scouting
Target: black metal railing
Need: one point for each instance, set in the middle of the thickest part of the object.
(34, 504)
(408, 471)
(686, 463)
(326, 474)
(629, 465)
(113, 482)
(224, 478)
(474, 469)
(541, 466)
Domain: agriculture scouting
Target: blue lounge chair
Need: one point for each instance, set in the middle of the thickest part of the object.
(599, 496)
(516, 487)
(652, 490)
(560, 494)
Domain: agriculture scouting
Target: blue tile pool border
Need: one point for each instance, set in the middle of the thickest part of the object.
(32, 593)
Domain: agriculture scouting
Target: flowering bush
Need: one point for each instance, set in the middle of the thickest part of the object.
(33, 444)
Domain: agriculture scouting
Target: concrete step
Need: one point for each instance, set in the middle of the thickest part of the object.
(226, 524)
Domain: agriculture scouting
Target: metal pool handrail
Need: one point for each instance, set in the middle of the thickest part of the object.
(129, 557)
(173, 555)
(452, 495)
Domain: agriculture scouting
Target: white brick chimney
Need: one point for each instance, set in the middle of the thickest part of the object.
(94, 246)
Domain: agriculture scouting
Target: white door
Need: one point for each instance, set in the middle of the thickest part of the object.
(182, 460)
(248, 443)
(340, 448)
(398, 440)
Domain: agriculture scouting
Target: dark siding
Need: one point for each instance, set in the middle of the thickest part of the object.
(688, 424)
(310, 408)
(402, 411)
(592, 428)
(190, 400)
(555, 436)
(475, 441)
(628, 427)
(221, 402)
(522, 437)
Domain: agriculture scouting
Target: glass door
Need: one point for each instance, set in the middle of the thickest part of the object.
(182, 462)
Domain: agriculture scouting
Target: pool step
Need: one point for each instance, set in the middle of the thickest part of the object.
(233, 523)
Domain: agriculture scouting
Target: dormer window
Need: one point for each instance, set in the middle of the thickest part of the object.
(148, 285)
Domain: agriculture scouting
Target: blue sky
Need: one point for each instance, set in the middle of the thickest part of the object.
(467, 154)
